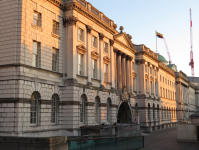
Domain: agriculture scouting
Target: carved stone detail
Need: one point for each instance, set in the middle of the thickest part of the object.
(149, 64)
(151, 78)
(119, 52)
(146, 76)
(115, 26)
(134, 74)
(70, 21)
(121, 29)
(95, 54)
(106, 59)
(101, 36)
(129, 36)
(115, 50)
(124, 55)
(89, 28)
(142, 61)
(111, 42)
(81, 49)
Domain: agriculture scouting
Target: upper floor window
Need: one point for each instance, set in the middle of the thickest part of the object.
(94, 68)
(106, 72)
(155, 72)
(150, 70)
(94, 41)
(37, 19)
(80, 58)
(105, 47)
(35, 54)
(145, 68)
(55, 27)
(54, 108)
(55, 53)
(163, 79)
(160, 78)
(80, 34)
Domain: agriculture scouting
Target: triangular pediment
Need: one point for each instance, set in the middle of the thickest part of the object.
(124, 39)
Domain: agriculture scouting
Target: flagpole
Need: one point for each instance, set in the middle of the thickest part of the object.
(156, 42)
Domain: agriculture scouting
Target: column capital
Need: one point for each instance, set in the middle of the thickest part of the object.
(129, 58)
(111, 42)
(124, 55)
(119, 52)
(101, 36)
(149, 64)
(89, 28)
(115, 50)
(70, 21)
(142, 61)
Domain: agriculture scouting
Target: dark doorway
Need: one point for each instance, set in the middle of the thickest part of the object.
(197, 133)
(124, 114)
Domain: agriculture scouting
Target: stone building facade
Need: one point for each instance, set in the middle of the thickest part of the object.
(63, 65)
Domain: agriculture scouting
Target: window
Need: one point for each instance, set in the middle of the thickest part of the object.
(80, 34)
(109, 110)
(83, 109)
(149, 111)
(146, 85)
(150, 70)
(163, 79)
(97, 110)
(37, 19)
(161, 91)
(145, 68)
(155, 72)
(94, 41)
(34, 109)
(160, 78)
(55, 27)
(151, 87)
(35, 54)
(105, 47)
(94, 68)
(106, 72)
(80, 57)
(153, 111)
(55, 53)
(54, 107)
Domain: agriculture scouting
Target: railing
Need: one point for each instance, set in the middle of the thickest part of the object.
(82, 2)
(107, 143)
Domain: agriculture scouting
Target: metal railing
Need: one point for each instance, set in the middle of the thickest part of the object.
(106, 143)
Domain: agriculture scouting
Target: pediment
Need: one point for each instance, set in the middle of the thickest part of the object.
(106, 59)
(81, 49)
(95, 54)
(124, 39)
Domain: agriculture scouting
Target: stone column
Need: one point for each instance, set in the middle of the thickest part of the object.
(130, 75)
(112, 63)
(127, 74)
(71, 50)
(101, 36)
(123, 71)
(119, 70)
(153, 82)
(89, 60)
(115, 66)
(157, 75)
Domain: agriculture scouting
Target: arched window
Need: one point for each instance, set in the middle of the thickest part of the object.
(109, 110)
(97, 109)
(34, 109)
(54, 108)
(148, 111)
(83, 109)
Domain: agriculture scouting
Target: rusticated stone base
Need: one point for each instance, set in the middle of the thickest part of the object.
(23, 143)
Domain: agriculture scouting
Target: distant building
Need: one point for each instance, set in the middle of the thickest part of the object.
(63, 65)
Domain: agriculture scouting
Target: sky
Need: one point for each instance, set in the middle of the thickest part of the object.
(141, 18)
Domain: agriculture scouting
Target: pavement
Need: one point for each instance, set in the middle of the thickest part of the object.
(166, 140)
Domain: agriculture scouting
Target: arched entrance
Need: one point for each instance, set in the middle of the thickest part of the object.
(124, 113)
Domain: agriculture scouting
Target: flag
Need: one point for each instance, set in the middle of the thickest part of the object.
(159, 35)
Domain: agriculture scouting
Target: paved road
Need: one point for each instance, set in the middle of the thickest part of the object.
(166, 140)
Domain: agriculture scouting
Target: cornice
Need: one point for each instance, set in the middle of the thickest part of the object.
(57, 3)
(166, 68)
(78, 7)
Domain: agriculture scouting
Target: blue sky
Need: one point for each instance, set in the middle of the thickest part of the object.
(141, 18)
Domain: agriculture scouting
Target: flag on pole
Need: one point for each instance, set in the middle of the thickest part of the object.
(159, 35)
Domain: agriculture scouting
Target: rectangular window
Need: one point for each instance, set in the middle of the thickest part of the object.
(106, 72)
(94, 41)
(55, 27)
(134, 84)
(55, 53)
(150, 70)
(80, 57)
(35, 54)
(105, 47)
(145, 68)
(160, 78)
(151, 87)
(94, 68)
(161, 91)
(146, 85)
(37, 19)
(80, 34)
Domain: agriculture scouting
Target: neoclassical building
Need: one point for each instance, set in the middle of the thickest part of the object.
(64, 66)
